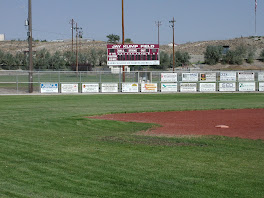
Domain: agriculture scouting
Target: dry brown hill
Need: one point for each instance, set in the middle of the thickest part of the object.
(196, 48)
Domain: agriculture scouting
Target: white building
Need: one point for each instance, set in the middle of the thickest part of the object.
(2, 37)
(171, 45)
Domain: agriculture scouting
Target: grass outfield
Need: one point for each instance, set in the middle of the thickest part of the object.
(48, 149)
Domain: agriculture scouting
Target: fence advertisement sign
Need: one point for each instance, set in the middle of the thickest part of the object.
(208, 77)
(261, 86)
(169, 87)
(246, 76)
(109, 87)
(168, 77)
(69, 88)
(261, 76)
(149, 87)
(227, 76)
(247, 86)
(49, 88)
(207, 87)
(130, 87)
(90, 88)
(188, 87)
(227, 86)
(189, 77)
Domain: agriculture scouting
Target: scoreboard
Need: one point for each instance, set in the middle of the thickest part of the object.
(133, 54)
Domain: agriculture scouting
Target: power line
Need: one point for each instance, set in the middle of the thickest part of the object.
(43, 31)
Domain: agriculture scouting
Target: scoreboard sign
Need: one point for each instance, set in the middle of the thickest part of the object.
(133, 54)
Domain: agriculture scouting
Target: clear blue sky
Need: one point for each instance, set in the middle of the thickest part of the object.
(196, 20)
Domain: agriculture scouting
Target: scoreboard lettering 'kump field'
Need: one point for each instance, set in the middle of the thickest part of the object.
(133, 54)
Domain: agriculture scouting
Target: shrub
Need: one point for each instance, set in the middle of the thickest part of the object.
(213, 54)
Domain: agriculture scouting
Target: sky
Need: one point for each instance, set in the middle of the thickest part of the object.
(196, 20)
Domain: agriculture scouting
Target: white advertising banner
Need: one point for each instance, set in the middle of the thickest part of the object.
(189, 77)
(207, 87)
(208, 77)
(90, 88)
(109, 87)
(261, 86)
(227, 86)
(169, 87)
(246, 76)
(130, 87)
(168, 77)
(261, 76)
(69, 88)
(247, 86)
(227, 76)
(149, 87)
(188, 87)
(49, 88)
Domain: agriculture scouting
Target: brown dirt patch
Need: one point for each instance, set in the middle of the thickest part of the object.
(243, 123)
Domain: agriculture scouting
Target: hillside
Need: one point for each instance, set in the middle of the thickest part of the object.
(195, 49)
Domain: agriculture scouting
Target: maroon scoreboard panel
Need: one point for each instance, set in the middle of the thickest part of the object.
(133, 54)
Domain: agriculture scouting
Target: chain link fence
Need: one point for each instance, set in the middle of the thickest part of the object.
(17, 82)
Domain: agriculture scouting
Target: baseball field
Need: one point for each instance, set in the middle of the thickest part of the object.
(51, 147)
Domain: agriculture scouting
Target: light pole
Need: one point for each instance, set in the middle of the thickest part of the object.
(173, 22)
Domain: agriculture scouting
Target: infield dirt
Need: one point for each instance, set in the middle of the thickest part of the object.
(242, 123)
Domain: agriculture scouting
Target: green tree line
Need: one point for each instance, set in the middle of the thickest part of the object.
(239, 55)
(44, 60)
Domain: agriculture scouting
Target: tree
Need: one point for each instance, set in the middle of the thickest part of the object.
(182, 58)
(251, 52)
(102, 57)
(93, 57)
(57, 61)
(128, 40)
(21, 60)
(164, 61)
(213, 54)
(41, 60)
(262, 55)
(238, 55)
(113, 38)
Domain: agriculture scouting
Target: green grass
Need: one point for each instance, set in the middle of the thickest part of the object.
(49, 149)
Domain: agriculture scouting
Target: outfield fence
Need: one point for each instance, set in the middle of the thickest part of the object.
(17, 82)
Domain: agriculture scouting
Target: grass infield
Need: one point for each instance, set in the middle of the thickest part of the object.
(49, 149)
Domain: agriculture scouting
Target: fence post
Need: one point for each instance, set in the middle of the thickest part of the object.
(17, 82)
(80, 85)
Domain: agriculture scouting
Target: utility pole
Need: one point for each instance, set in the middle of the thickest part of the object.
(72, 22)
(256, 4)
(29, 34)
(77, 35)
(123, 37)
(158, 23)
(172, 26)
